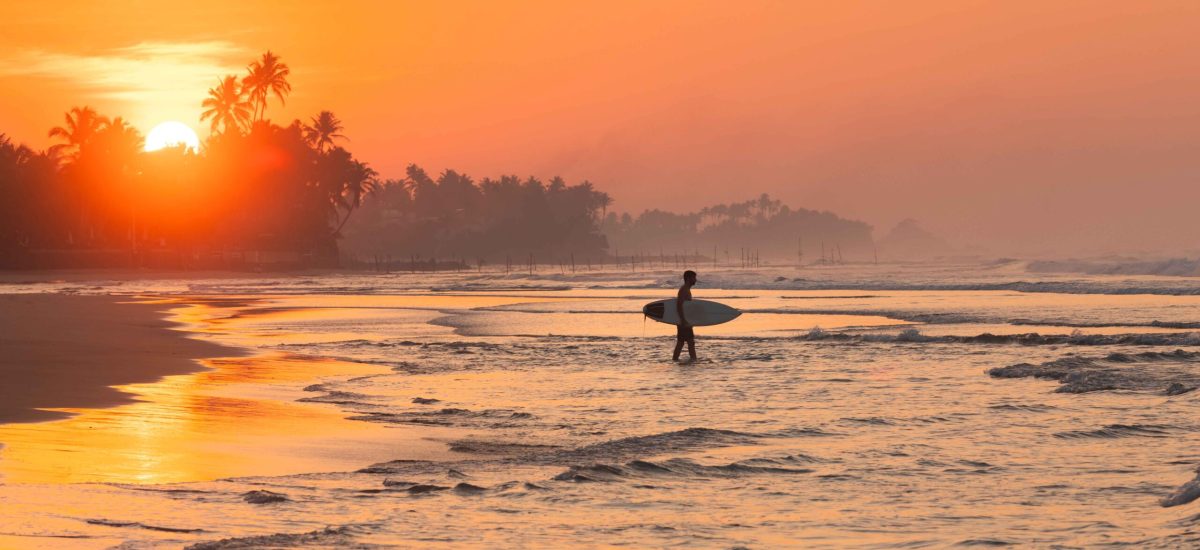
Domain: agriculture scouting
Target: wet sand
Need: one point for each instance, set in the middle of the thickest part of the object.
(147, 404)
(69, 351)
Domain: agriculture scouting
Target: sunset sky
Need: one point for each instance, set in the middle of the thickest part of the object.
(1016, 126)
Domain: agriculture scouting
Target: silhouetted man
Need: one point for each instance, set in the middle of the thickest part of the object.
(684, 332)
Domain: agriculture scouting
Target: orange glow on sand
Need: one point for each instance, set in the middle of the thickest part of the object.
(236, 417)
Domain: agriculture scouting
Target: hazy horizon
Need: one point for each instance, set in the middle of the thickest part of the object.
(1069, 129)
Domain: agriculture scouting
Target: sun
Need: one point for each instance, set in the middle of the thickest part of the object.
(172, 134)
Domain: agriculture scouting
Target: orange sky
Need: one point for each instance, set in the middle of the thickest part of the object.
(1019, 126)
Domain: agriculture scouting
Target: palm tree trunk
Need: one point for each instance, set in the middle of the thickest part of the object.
(342, 224)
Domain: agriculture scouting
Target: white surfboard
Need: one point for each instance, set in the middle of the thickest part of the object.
(700, 313)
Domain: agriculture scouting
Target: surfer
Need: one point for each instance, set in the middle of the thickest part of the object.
(684, 332)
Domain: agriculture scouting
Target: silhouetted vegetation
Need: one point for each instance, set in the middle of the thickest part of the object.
(254, 189)
(763, 226)
(492, 220)
(257, 192)
(260, 192)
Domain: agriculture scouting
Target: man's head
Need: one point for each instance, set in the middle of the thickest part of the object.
(689, 277)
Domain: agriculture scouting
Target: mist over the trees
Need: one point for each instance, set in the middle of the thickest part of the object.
(764, 226)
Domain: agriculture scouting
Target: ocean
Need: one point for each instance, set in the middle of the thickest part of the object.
(850, 406)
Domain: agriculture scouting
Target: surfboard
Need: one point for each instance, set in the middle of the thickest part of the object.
(700, 313)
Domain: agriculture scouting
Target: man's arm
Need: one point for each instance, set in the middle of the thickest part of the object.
(679, 300)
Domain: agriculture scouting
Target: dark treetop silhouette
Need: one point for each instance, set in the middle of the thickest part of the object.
(259, 190)
(491, 220)
(97, 199)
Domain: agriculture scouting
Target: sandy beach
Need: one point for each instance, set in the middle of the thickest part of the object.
(156, 390)
(69, 351)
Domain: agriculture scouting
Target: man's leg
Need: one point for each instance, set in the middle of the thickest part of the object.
(678, 348)
(692, 347)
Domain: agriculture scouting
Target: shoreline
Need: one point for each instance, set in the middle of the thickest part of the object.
(117, 389)
(67, 351)
(76, 275)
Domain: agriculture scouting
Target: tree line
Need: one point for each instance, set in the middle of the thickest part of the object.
(253, 186)
(762, 228)
(492, 220)
(96, 198)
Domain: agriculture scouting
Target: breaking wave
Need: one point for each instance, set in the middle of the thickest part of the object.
(1117, 430)
(113, 523)
(1174, 267)
(1184, 494)
(679, 467)
(329, 537)
(913, 335)
(449, 416)
(670, 442)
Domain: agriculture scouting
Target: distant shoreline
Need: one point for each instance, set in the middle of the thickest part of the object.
(63, 351)
(14, 277)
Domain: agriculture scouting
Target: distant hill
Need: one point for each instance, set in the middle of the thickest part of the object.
(908, 240)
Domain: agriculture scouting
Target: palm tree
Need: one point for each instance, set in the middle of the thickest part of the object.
(355, 181)
(12, 154)
(324, 129)
(83, 123)
(120, 141)
(120, 149)
(226, 105)
(598, 199)
(267, 75)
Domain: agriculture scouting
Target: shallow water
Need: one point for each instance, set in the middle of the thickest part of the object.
(486, 410)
